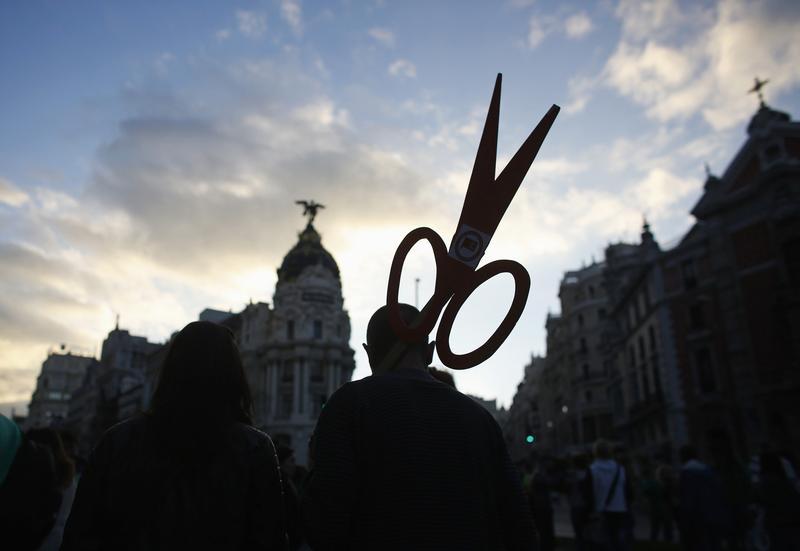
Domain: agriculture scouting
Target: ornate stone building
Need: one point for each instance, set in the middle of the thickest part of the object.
(297, 353)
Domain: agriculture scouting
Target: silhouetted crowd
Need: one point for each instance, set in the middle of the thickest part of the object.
(723, 504)
(398, 460)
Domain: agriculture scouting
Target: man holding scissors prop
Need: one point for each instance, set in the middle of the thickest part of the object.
(402, 461)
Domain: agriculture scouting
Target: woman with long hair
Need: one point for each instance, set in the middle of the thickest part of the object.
(190, 473)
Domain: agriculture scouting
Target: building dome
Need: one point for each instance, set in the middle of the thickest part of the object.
(307, 252)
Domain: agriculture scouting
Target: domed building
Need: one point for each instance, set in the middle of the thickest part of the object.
(297, 352)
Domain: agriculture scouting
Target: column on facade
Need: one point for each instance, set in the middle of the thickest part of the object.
(273, 368)
(296, 387)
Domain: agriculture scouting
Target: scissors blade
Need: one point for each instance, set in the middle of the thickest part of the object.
(483, 170)
(512, 175)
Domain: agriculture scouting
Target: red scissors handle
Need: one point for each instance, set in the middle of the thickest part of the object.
(522, 285)
(421, 327)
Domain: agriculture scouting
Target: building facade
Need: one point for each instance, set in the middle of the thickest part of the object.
(697, 342)
(523, 428)
(61, 375)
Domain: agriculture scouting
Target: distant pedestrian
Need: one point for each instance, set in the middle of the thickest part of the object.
(654, 493)
(579, 506)
(607, 528)
(541, 503)
(781, 503)
(701, 506)
(192, 473)
(737, 492)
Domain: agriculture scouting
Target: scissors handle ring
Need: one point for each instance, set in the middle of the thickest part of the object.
(522, 285)
(421, 327)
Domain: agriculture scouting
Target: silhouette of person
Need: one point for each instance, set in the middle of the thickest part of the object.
(702, 508)
(65, 479)
(404, 461)
(607, 490)
(30, 495)
(192, 473)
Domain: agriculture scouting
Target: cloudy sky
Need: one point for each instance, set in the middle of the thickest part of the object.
(150, 153)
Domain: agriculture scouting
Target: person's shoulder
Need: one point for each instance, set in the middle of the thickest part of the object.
(126, 430)
(251, 437)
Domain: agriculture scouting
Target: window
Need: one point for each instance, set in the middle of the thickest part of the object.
(588, 396)
(591, 291)
(705, 371)
(589, 430)
(317, 329)
(290, 330)
(584, 348)
(585, 371)
(287, 372)
(285, 409)
(580, 320)
(688, 274)
(642, 350)
(697, 319)
(643, 367)
(317, 372)
(771, 154)
(652, 336)
(601, 313)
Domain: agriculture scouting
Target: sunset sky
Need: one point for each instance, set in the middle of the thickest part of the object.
(151, 152)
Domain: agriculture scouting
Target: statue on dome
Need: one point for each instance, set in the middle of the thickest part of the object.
(756, 89)
(310, 209)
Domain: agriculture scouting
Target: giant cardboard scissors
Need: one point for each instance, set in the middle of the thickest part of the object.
(456, 276)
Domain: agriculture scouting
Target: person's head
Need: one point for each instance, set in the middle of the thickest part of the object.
(602, 449)
(64, 465)
(202, 380)
(381, 338)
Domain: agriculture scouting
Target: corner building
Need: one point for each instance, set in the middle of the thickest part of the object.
(297, 353)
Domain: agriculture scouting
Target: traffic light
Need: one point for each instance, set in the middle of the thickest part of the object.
(530, 439)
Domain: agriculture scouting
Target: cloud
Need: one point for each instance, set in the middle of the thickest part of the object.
(578, 25)
(251, 24)
(383, 36)
(11, 195)
(403, 68)
(222, 35)
(191, 206)
(580, 89)
(538, 28)
(292, 13)
(163, 62)
(681, 61)
(541, 26)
